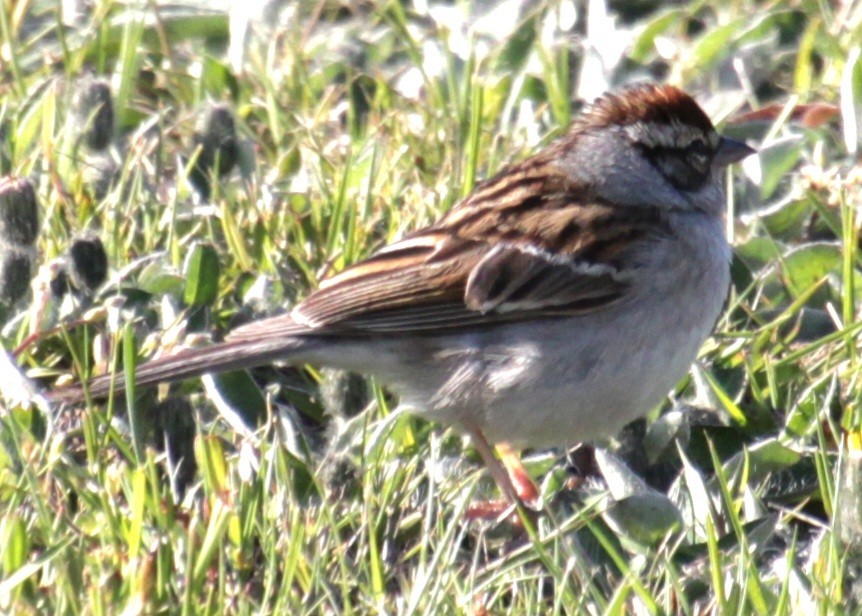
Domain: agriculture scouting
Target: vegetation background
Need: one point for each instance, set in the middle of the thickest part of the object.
(252, 150)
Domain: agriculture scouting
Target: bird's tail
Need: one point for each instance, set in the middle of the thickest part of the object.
(221, 357)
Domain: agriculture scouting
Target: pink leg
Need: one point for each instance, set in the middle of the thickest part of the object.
(524, 485)
(510, 476)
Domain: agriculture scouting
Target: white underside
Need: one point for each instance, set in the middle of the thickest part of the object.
(557, 382)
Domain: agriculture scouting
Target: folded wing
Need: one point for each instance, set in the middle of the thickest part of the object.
(525, 245)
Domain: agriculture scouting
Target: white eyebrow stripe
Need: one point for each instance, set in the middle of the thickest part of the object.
(674, 135)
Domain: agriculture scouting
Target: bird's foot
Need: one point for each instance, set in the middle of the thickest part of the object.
(513, 480)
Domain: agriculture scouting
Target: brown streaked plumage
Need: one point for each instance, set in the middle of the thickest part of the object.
(586, 275)
(432, 267)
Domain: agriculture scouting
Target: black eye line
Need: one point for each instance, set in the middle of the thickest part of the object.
(698, 174)
(696, 154)
(697, 144)
(698, 147)
(699, 156)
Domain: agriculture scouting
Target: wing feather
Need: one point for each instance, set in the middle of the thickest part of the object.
(525, 244)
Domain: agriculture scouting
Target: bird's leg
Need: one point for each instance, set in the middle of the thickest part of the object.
(510, 476)
(524, 485)
(495, 467)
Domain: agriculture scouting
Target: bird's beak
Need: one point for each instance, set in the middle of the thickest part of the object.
(731, 150)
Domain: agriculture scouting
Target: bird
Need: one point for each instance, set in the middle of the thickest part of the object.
(560, 300)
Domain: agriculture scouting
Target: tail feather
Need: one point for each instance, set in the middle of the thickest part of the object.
(186, 364)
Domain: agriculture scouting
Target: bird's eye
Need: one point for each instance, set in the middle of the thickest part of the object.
(686, 167)
(698, 155)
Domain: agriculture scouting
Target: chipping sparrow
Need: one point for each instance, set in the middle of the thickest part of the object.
(562, 299)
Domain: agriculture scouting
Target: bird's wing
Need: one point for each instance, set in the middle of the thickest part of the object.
(525, 244)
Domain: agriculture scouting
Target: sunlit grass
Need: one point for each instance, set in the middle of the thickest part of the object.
(354, 126)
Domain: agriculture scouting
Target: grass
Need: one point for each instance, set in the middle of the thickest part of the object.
(309, 495)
